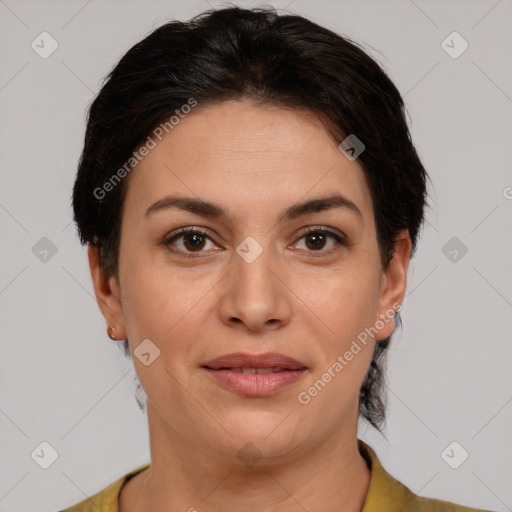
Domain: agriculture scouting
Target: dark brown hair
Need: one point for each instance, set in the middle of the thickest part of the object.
(285, 60)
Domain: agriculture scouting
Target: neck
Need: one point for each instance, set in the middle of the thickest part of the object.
(184, 475)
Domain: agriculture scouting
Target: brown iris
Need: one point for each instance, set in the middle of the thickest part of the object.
(319, 240)
(196, 240)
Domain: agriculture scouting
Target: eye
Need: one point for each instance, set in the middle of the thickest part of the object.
(190, 241)
(316, 239)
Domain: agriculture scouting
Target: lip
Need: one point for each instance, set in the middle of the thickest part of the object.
(222, 369)
(245, 360)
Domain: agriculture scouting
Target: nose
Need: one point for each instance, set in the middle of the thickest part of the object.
(255, 297)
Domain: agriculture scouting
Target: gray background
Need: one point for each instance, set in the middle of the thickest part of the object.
(63, 381)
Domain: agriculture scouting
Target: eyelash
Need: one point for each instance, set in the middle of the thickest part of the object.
(341, 240)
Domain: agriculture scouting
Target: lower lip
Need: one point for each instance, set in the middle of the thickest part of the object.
(256, 384)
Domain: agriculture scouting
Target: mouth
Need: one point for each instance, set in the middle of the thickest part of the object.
(250, 370)
(255, 375)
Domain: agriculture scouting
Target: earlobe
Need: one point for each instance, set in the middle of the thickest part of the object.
(107, 294)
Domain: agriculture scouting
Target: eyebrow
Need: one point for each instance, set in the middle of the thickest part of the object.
(211, 210)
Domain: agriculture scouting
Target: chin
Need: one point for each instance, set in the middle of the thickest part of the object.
(267, 435)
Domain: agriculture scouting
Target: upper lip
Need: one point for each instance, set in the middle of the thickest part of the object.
(244, 360)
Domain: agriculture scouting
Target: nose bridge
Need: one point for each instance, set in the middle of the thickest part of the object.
(254, 295)
(252, 267)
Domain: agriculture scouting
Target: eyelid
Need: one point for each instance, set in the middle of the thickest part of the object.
(324, 229)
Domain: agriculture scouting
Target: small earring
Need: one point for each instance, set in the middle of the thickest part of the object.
(112, 333)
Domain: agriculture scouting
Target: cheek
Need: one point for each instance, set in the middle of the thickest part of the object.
(158, 306)
(168, 305)
(346, 300)
(348, 308)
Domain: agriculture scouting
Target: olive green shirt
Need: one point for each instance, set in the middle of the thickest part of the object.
(385, 493)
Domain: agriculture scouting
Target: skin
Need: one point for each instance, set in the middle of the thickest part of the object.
(298, 299)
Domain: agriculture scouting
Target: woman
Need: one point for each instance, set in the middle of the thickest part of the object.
(251, 198)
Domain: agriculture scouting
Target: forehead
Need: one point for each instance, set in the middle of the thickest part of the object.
(246, 156)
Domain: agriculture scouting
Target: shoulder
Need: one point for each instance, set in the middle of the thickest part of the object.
(387, 494)
(107, 499)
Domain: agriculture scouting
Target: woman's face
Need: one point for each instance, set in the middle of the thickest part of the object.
(251, 282)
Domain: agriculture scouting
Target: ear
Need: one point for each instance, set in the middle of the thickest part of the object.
(107, 293)
(393, 284)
